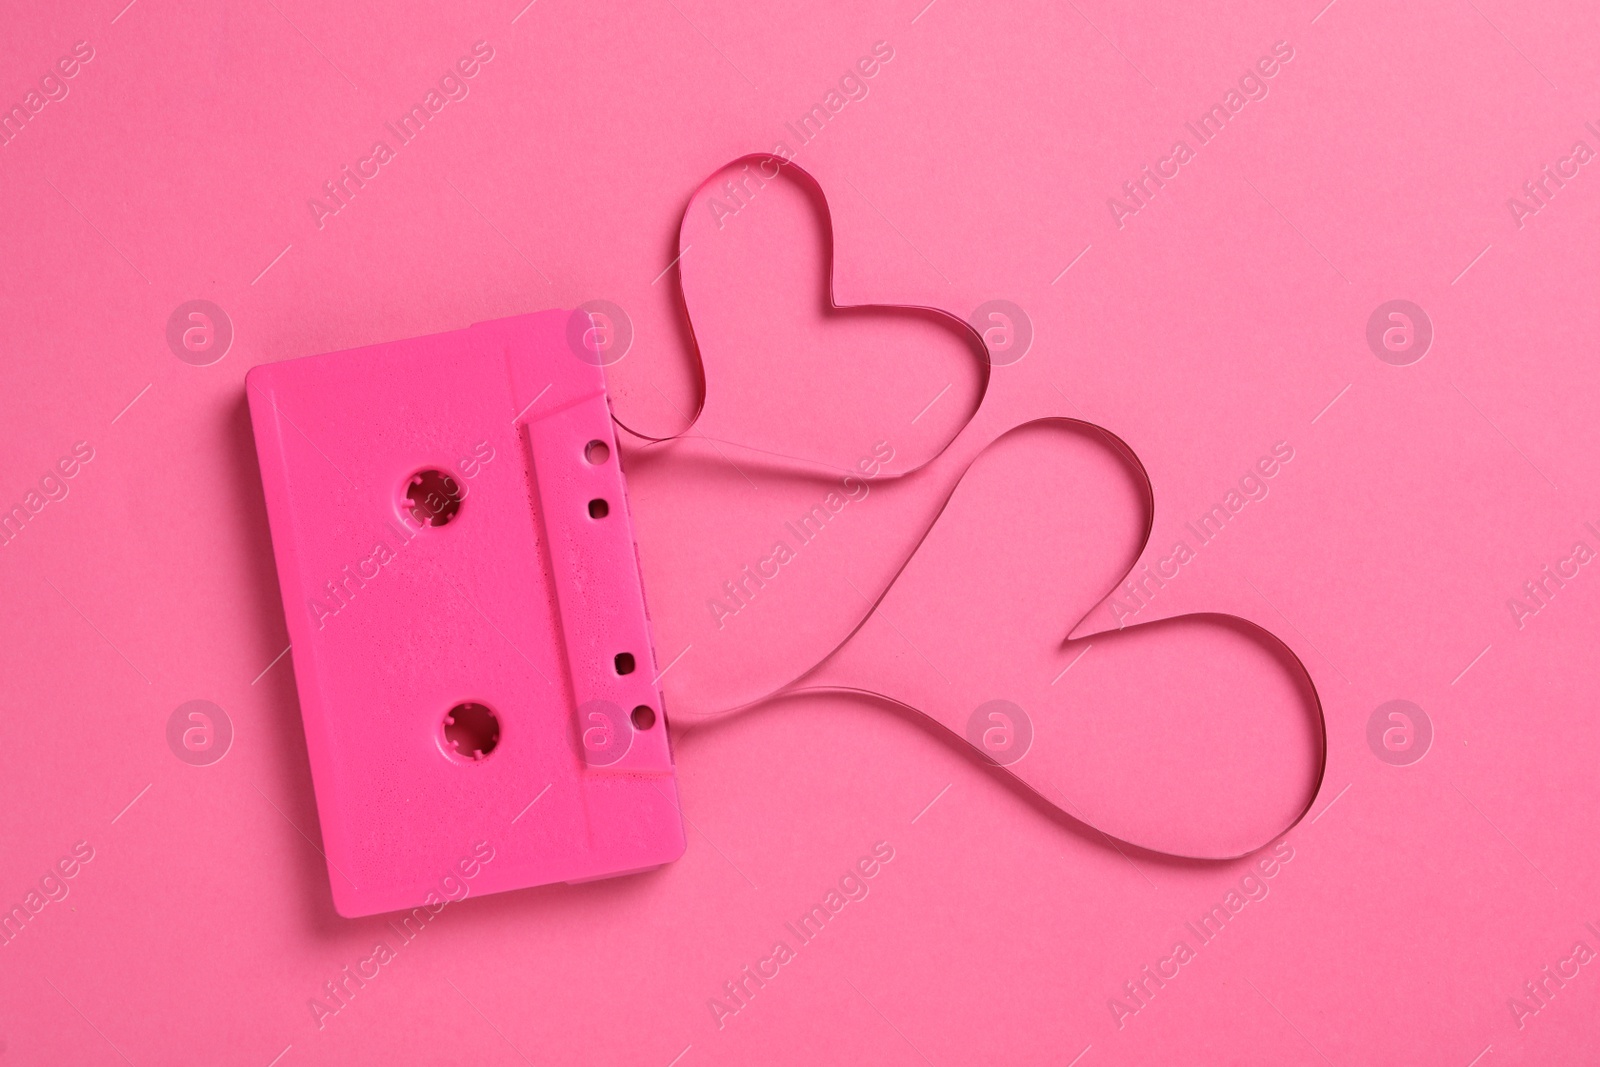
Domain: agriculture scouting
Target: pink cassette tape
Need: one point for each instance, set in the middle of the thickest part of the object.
(470, 641)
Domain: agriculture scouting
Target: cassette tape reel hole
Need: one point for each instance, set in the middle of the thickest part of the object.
(470, 732)
(433, 498)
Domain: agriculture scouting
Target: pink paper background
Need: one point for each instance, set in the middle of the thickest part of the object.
(1222, 318)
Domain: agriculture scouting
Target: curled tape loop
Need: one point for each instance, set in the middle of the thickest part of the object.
(1200, 736)
(732, 215)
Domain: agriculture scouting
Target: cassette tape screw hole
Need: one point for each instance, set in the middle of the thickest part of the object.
(644, 717)
(471, 732)
(596, 453)
(435, 497)
(624, 662)
(599, 509)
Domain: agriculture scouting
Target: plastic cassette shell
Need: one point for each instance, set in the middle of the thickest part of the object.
(521, 602)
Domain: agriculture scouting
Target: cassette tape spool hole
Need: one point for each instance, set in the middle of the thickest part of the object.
(470, 731)
(433, 497)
